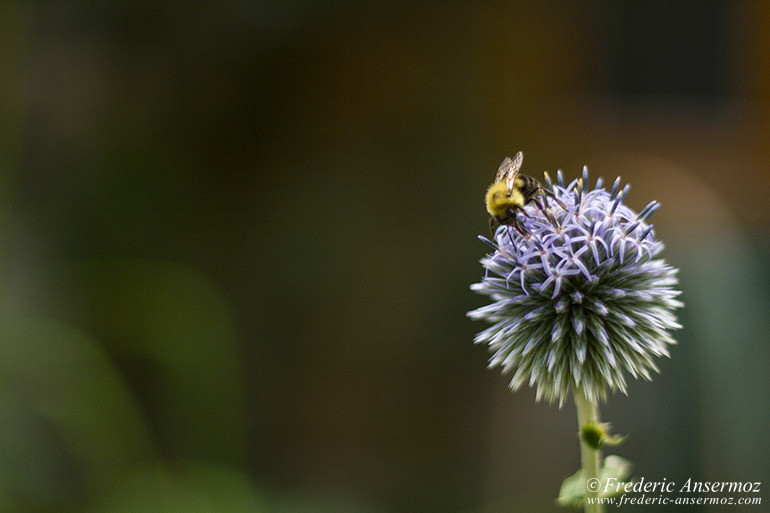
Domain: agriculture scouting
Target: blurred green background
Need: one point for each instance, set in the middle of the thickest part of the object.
(236, 240)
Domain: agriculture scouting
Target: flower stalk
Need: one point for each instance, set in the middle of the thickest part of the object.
(590, 458)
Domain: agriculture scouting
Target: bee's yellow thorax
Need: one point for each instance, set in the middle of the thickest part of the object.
(498, 201)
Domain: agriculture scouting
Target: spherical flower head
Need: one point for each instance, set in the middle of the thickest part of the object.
(579, 299)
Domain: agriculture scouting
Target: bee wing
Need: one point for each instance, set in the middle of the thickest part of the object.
(503, 169)
(512, 168)
(509, 167)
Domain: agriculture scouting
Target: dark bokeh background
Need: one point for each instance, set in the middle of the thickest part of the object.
(237, 238)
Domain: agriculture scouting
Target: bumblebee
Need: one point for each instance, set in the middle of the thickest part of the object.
(509, 193)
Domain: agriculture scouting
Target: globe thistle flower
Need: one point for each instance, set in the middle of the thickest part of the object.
(580, 299)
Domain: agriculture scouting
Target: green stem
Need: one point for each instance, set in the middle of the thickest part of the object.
(590, 458)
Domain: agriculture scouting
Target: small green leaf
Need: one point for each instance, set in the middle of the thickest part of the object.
(617, 468)
(597, 435)
(573, 489)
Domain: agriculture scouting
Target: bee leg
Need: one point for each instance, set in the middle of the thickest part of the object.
(516, 209)
(492, 227)
(552, 195)
(542, 208)
(539, 203)
(516, 223)
(520, 228)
